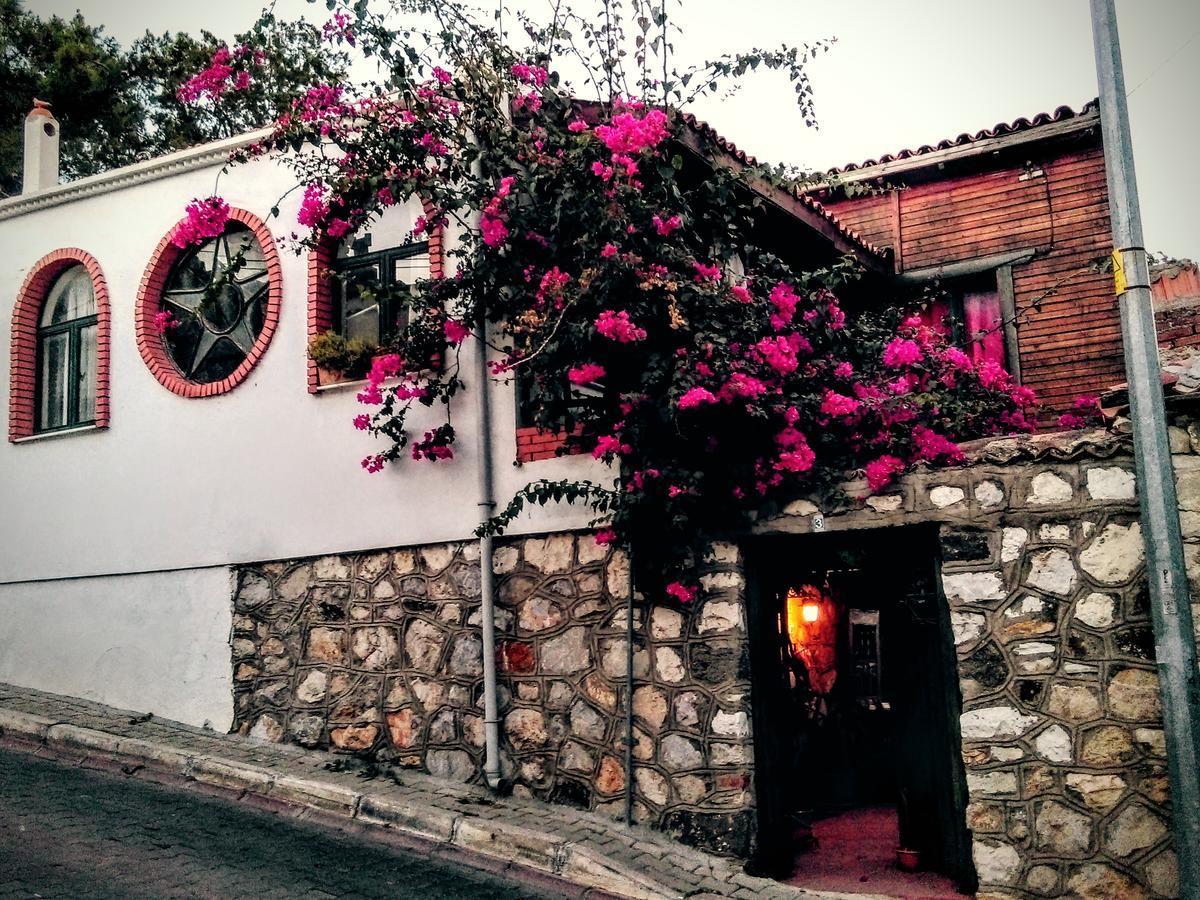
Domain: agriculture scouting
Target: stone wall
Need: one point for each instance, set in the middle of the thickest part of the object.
(380, 654)
(1184, 435)
(1043, 571)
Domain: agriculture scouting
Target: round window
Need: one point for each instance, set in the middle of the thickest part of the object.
(213, 305)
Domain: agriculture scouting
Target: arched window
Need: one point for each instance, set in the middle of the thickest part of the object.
(59, 362)
(67, 353)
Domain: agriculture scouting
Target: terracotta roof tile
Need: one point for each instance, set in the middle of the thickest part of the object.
(1062, 114)
(1060, 446)
(1174, 282)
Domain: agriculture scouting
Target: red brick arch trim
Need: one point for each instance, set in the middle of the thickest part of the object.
(22, 395)
(320, 291)
(149, 340)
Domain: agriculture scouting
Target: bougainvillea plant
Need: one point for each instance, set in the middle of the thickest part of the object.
(634, 294)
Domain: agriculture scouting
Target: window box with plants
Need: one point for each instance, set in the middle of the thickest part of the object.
(338, 359)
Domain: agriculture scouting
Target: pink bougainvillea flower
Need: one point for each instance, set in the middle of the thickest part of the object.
(957, 359)
(617, 326)
(799, 460)
(697, 396)
(362, 422)
(205, 219)
(433, 144)
(610, 445)
(383, 367)
(628, 134)
(530, 74)
(314, 207)
(740, 293)
(883, 471)
(992, 375)
(843, 370)
(320, 102)
(902, 352)
(1024, 397)
(551, 287)
(213, 81)
(456, 332)
(608, 251)
(934, 447)
(742, 385)
(681, 592)
(605, 536)
(783, 298)
(442, 76)
(410, 391)
(665, 226)
(835, 404)
(705, 272)
(586, 374)
(373, 463)
(577, 126)
(337, 228)
(339, 27)
(495, 232)
(1071, 421)
(164, 321)
(779, 354)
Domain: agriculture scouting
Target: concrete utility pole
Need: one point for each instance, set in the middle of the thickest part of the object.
(1174, 640)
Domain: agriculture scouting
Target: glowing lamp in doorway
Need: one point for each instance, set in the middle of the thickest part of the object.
(810, 611)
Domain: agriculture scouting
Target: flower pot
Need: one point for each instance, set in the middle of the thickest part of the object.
(908, 860)
(330, 376)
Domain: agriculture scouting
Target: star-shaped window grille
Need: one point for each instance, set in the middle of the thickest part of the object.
(217, 295)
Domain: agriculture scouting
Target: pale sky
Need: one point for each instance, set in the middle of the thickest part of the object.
(902, 73)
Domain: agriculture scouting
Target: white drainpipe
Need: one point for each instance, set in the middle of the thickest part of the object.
(487, 580)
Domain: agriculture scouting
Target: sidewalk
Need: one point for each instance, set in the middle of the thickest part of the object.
(583, 854)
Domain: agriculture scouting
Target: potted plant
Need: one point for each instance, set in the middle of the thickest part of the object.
(338, 359)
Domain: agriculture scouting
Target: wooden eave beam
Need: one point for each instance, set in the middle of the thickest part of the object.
(783, 201)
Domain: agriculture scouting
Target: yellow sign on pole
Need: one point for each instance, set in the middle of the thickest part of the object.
(1119, 272)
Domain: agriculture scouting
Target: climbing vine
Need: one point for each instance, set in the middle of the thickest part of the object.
(635, 291)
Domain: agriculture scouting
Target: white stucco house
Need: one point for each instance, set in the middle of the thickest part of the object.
(142, 477)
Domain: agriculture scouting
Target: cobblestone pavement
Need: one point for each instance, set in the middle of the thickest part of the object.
(576, 853)
(72, 832)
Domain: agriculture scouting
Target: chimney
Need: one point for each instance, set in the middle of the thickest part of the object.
(41, 149)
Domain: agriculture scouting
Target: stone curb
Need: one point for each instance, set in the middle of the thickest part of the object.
(499, 841)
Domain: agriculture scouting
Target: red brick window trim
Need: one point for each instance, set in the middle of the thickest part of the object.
(22, 397)
(534, 444)
(320, 286)
(150, 341)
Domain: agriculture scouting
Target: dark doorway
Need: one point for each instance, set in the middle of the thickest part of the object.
(856, 709)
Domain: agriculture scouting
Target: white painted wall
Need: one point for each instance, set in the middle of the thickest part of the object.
(152, 643)
(267, 471)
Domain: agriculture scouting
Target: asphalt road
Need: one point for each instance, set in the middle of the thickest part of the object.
(71, 832)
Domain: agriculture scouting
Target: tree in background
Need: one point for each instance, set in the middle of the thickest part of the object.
(118, 105)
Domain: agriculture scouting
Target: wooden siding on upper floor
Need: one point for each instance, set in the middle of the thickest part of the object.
(1070, 344)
